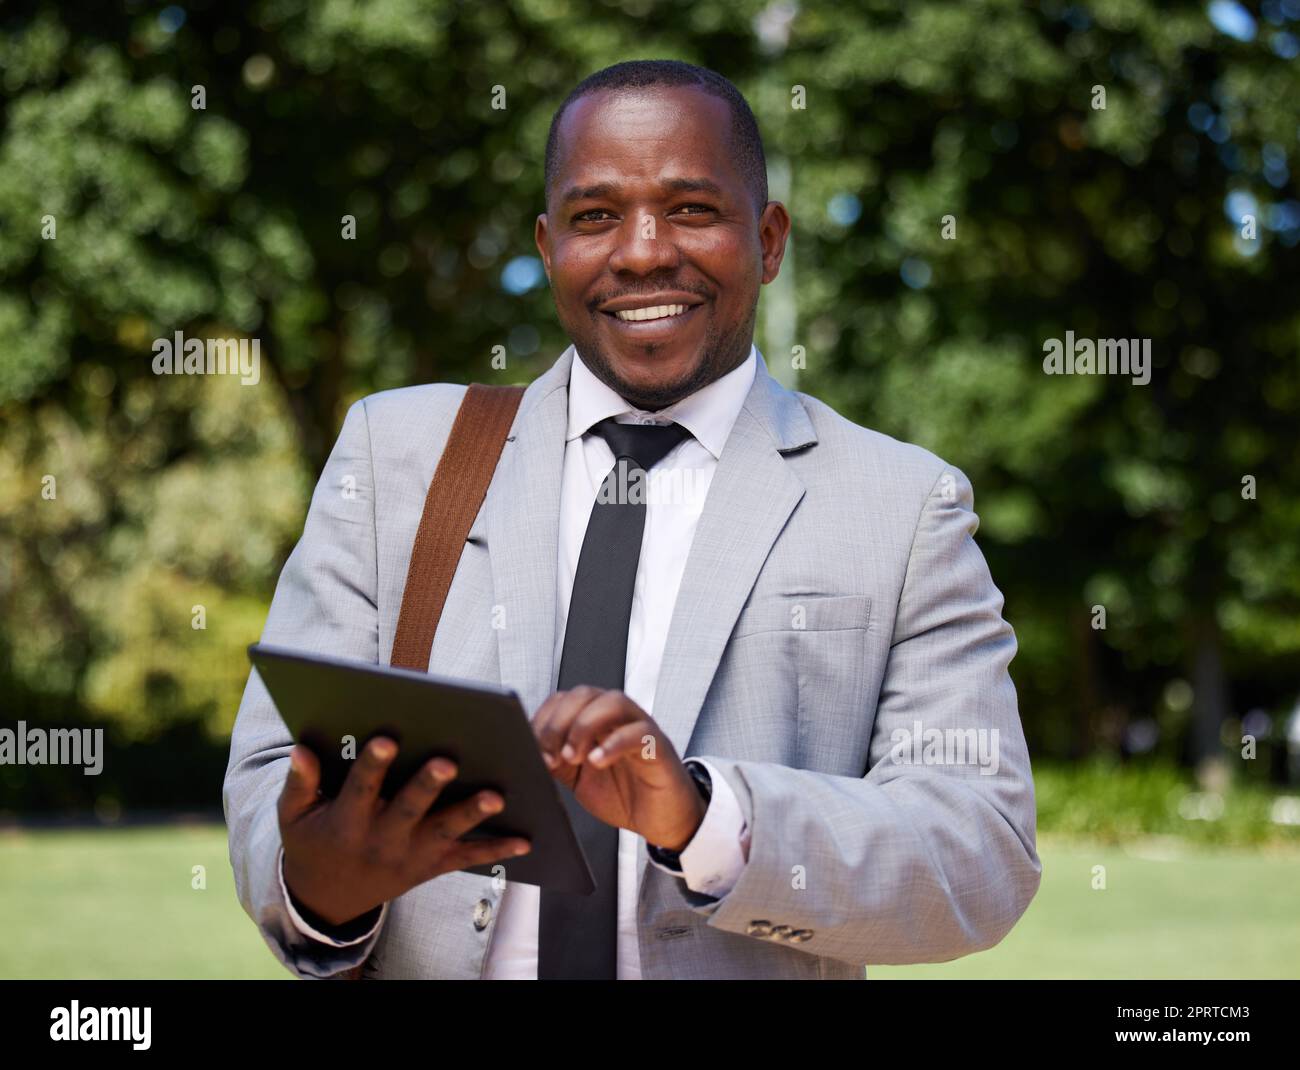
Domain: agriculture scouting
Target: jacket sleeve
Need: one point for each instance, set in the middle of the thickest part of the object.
(931, 854)
(324, 603)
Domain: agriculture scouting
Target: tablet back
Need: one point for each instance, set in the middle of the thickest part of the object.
(334, 707)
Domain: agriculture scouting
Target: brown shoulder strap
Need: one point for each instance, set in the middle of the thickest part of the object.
(459, 485)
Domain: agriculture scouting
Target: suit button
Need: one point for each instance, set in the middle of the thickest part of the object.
(800, 935)
(782, 932)
(759, 928)
(482, 914)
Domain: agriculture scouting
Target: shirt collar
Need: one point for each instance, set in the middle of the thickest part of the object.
(708, 414)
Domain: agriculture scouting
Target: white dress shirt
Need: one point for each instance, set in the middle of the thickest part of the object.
(675, 492)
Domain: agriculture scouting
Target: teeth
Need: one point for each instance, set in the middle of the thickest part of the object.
(658, 312)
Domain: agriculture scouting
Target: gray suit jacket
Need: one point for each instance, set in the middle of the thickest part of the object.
(834, 605)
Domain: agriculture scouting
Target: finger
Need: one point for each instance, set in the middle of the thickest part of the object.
(301, 785)
(557, 704)
(365, 778)
(627, 741)
(545, 710)
(542, 718)
(452, 822)
(568, 704)
(482, 852)
(419, 793)
(597, 720)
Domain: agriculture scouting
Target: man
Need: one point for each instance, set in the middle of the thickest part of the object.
(760, 692)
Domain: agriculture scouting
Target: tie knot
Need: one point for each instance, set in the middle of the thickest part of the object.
(643, 444)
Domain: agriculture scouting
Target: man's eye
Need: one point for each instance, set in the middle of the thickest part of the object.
(590, 215)
(695, 209)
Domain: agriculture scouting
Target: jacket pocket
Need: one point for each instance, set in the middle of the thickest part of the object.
(803, 613)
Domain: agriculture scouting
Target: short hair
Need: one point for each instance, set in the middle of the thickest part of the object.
(746, 141)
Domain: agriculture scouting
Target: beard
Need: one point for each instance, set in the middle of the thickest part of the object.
(723, 352)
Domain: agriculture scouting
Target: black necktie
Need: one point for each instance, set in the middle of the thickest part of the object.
(578, 935)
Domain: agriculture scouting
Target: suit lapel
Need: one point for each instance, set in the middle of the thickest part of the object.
(751, 497)
(522, 514)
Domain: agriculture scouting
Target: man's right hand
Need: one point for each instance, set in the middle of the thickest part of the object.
(345, 856)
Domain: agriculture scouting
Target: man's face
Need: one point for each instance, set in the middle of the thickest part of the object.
(652, 241)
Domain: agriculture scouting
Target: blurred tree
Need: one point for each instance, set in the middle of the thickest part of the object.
(352, 185)
(1096, 166)
(127, 213)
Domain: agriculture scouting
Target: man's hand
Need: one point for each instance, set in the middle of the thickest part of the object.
(346, 856)
(619, 765)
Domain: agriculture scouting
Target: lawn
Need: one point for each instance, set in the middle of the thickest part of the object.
(120, 904)
(1167, 911)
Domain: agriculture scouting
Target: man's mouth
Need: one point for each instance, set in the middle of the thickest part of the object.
(656, 312)
(653, 318)
(653, 323)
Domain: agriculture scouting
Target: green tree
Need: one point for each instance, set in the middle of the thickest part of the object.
(959, 197)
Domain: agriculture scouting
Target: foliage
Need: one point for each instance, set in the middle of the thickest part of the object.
(228, 220)
(1103, 802)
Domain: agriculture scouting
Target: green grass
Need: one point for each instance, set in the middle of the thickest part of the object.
(1168, 910)
(119, 904)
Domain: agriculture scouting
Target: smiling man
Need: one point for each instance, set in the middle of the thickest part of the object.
(724, 683)
(658, 231)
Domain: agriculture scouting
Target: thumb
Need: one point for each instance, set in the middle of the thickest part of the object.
(300, 786)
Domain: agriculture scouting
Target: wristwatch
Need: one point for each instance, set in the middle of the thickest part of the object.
(673, 859)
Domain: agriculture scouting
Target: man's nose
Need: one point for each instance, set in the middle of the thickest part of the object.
(643, 246)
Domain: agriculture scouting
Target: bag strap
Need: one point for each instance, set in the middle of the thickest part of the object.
(459, 486)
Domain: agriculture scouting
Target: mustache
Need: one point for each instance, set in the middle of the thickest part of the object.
(594, 304)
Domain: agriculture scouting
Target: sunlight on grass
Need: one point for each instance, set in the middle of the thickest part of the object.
(119, 904)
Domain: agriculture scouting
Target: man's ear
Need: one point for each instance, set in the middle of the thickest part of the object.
(773, 232)
(541, 235)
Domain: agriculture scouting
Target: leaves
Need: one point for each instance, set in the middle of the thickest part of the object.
(1122, 222)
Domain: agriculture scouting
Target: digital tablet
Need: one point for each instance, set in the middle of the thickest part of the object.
(483, 729)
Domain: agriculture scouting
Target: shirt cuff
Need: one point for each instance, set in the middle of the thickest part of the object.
(316, 934)
(716, 855)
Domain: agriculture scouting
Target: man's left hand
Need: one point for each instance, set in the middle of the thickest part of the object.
(619, 765)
